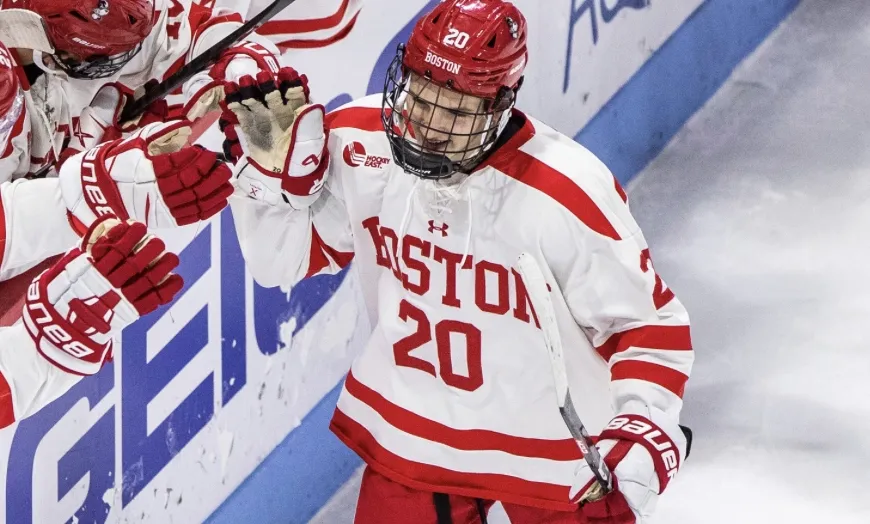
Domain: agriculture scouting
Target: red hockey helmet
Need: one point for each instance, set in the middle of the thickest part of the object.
(11, 96)
(94, 38)
(476, 47)
(472, 48)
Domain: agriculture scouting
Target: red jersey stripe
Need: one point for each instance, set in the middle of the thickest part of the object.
(527, 169)
(277, 27)
(619, 190)
(436, 479)
(308, 43)
(666, 377)
(676, 338)
(462, 439)
(362, 118)
(317, 260)
(340, 257)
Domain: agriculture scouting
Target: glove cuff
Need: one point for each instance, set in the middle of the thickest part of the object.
(88, 191)
(666, 449)
(56, 338)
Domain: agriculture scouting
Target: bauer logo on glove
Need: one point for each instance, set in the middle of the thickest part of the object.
(151, 176)
(75, 308)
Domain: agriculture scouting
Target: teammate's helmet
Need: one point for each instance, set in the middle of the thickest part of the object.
(449, 91)
(94, 38)
(11, 96)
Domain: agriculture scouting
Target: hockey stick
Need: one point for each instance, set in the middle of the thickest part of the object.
(539, 295)
(206, 59)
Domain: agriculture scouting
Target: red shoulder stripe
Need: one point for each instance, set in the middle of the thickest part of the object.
(362, 118)
(527, 169)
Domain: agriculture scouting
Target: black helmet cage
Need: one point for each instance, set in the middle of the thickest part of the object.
(401, 127)
(95, 66)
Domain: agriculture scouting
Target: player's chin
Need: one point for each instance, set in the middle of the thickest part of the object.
(440, 149)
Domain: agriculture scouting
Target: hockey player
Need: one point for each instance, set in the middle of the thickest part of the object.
(92, 55)
(118, 273)
(434, 189)
(152, 176)
(74, 309)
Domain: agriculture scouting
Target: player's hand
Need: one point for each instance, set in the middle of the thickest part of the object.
(642, 457)
(271, 121)
(99, 122)
(205, 91)
(150, 176)
(75, 308)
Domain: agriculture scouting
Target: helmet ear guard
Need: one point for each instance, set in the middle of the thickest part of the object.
(506, 98)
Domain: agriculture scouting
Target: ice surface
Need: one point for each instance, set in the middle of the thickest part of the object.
(758, 215)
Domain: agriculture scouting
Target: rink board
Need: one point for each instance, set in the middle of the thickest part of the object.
(217, 407)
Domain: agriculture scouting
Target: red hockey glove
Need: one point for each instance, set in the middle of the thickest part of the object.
(643, 456)
(151, 176)
(205, 91)
(75, 308)
(270, 121)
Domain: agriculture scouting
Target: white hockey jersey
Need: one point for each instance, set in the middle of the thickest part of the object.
(33, 218)
(454, 391)
(33, 227)
(40, 130)
(182, 30)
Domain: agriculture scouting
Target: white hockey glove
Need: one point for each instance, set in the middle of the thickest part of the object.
(117, 274)
(644, 456)
(99, 122)
(272, 123)
(151, 176)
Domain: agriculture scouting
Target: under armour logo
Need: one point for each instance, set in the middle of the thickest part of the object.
(442, 227)
(93, 315)
(311, 159)
(254, 191)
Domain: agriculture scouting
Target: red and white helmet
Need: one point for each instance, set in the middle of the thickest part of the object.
(11, 96)
(93, 38)
(472, 47)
